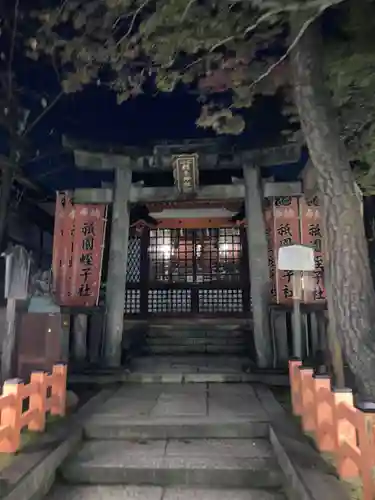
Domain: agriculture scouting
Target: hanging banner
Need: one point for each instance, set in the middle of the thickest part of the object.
(77, 251)
(311, 234)
(286, 232)
(268, 215)
(63, 246)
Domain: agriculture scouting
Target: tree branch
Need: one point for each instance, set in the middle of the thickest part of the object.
(11, 53)
(42, 114)
(293, 45)
(274, 12)
(187, 8)
(137, 12)
(249, 29)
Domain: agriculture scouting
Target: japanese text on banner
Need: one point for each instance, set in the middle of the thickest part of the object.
(311, 234)
(286, 232)
(271, 251)
(77, 253)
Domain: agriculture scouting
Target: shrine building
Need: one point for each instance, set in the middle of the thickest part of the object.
(175, 252)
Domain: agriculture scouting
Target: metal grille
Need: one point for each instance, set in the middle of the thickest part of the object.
(226, 301)
(195, 255)
(133, 302)
(169, 301)
(133, 271)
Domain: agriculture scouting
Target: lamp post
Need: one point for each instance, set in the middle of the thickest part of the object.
(296, 258)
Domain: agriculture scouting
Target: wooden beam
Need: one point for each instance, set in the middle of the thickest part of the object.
(94, 161)
(159, 194)
(155, 160)
(271, 189)
(93, 195)
(144, 195)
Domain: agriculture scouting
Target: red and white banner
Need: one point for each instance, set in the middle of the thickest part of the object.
(271, 250)
(286, 232)
(77, 251)
(311, 234)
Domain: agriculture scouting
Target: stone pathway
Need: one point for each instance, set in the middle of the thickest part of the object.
(175, 442)
(156, 493)
(190, 364)
(185, 370)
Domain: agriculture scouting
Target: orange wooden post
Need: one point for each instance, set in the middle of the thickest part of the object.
(308, 399)
(324, 419)
(366, 422)
(11, 416)
(38, 401)
(345, 432)
(58, 389)
(295, 385)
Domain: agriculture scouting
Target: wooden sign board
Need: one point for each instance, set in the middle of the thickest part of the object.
(77, 251)
(286, 232)
(312, 234)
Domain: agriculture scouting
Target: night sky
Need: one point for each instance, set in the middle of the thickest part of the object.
(93, 115)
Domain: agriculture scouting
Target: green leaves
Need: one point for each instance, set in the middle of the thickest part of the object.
(209, 46)
(350, 68)
(221, 120)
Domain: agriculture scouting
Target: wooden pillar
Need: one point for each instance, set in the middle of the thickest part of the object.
(258, 262)
(116, 277)
(80, 337)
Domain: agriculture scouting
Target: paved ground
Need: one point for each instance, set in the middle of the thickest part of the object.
(212, 402)
(183, 369)
(175, 442)
(155, 493)
(191, 364)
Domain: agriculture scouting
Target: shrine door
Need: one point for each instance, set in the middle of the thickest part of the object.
(188, 272)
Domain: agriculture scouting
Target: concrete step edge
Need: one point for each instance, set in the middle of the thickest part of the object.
(262, 474)
(64, 491)
(114, 429)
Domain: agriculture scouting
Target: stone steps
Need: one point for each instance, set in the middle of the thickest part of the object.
(194, 332)
(106, 428)
(193, 349)
(188, 341)
(175, 442)
(225, 463)
(193, 338)
(118, 492)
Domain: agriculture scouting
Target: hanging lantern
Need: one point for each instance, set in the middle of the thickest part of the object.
(185, 172)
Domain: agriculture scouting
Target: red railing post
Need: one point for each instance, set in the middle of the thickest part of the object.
(308, 399)
(38, 401)
(366, 422)
(11, 416)
(345, 432)
(58, 390)
(295, 386)
(324, 420)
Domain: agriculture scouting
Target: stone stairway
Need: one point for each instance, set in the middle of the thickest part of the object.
(228, 337)
(175, 442)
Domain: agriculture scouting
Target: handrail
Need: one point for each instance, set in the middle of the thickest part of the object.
(336, 424)
(14, 419)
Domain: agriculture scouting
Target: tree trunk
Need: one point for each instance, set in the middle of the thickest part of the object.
(5, 196)
(353, 296)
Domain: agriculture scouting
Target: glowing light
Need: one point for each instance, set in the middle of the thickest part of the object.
(166, 250)
(225, 248)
